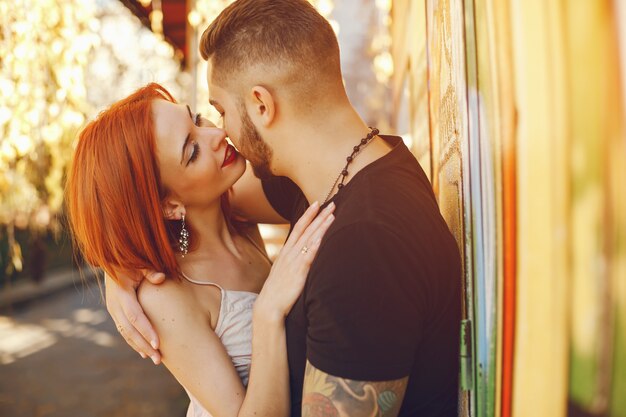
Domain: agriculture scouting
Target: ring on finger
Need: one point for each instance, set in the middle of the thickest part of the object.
(304, 249)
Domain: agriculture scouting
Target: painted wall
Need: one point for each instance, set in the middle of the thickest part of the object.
(516, 110)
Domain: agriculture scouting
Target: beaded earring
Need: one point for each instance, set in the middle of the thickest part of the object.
(183, 240)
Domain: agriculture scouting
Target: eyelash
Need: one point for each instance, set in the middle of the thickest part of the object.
(194, 153)
(196, 148)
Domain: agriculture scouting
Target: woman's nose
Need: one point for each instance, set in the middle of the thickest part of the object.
(217, 137)
(204, 122)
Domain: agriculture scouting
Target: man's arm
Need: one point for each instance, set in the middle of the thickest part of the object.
(325, 395)
(249, 202)
(360, 348)
(128, 315)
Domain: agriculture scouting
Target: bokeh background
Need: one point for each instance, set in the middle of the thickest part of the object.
(516, 109)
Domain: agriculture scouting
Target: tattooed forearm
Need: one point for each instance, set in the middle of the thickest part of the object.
(328, 396)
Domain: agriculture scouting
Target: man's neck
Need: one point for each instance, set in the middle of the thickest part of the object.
(317, 153)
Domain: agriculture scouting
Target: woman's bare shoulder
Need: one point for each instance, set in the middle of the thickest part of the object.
(166, 302)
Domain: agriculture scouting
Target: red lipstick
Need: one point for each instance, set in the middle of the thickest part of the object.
(229, 156)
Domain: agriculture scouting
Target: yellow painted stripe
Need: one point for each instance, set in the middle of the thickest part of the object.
(540, 369)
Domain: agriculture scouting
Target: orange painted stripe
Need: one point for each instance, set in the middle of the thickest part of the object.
(510, 264)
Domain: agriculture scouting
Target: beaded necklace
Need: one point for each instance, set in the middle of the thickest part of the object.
(339, 182)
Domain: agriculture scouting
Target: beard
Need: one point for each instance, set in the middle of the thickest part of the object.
(253, 147)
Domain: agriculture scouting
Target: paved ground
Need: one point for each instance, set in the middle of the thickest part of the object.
(60, 356)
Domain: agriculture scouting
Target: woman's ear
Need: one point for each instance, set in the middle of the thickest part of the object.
(173, 209)
(263, 106)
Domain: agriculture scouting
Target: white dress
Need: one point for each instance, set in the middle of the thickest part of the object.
(234, 328)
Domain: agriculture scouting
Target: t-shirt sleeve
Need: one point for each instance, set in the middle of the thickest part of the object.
(284, 196)
(364, 302)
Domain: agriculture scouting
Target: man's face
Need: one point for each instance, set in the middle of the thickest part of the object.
(240, 129)
(252, 144)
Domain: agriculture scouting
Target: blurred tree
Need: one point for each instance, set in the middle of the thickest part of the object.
(61, 62)
(44, 47)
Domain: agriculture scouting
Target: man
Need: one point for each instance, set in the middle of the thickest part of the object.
(375, 332)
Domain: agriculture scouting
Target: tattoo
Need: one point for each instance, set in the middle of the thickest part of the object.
(329, 396)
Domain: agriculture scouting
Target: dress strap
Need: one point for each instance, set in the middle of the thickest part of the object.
(193, 281)
(223, 302)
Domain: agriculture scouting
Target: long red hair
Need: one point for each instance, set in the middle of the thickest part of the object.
(114, 191)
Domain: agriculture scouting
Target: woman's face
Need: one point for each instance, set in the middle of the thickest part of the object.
(197, 165)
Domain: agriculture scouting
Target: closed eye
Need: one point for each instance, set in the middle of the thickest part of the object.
(194, 153)
(189, 139)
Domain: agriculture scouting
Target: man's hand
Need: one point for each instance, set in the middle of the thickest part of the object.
(129, 318)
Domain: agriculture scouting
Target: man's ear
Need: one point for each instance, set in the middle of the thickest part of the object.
(263, 106)
(173, 209)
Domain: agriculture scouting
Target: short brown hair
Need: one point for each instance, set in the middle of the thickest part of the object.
(280, 33)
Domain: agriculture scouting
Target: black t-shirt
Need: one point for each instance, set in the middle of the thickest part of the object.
(382, 300)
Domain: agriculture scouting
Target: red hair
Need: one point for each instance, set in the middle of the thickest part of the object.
(114, 191)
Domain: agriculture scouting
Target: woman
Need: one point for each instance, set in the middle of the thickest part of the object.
(146, 190)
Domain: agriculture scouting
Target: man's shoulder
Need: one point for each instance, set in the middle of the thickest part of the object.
(386, 205)
(396, 179)
(363, 246)
(362, 229)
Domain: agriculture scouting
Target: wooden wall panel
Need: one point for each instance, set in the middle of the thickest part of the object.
(617, 201)
(410, 76)
(591, 324)
(466, 168)
(527, 153)
(447, 111)
(540, 363)
(449, 132)
(482, 206)
(497, 139)
(597, 373)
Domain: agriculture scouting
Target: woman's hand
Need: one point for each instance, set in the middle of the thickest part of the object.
(288, 274)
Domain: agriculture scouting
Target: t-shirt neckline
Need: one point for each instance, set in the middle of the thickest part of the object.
(396, 143)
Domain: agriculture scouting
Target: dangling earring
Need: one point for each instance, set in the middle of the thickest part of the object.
(183, 240)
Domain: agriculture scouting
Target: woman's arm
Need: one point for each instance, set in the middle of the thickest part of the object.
(190, 349)
(195, 355)
(268, 386)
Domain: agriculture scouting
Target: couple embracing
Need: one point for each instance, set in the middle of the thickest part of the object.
(359, 314)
